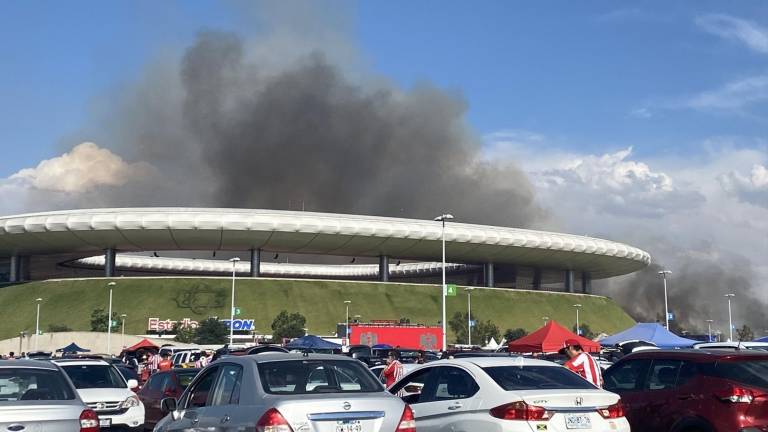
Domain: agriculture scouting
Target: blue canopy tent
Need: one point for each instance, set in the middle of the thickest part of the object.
(311, 342)
(762, 339)
(72, 348)
(649, 332)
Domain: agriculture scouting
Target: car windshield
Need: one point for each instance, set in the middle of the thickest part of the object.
(748, 372)
(185, 378)
(94, 376)
(21, 384)
(536, 377)
(316, 376)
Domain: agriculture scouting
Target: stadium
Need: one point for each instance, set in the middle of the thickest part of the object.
(380, 263)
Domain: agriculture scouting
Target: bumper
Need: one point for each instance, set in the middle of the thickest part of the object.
(131, 418)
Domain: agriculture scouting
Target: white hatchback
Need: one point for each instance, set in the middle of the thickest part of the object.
(105, 391)
(507, 395)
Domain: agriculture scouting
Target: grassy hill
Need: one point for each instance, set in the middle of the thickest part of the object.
(70, 302)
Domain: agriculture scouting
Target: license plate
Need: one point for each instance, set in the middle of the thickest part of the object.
(105, 422)
(349, 426)
(578, 421)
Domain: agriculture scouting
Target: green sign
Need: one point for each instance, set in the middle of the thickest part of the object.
(113, 323)
(237, 311)
(451, 290)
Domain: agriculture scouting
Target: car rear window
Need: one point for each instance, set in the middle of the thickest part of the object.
(536, 377)
(94, 376)
(33, 384)
(185, 378)
(748, 372)
(316, 376)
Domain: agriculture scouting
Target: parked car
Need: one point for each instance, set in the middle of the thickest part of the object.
(38, 396)
(286, 392)
(128, 374)
(186, 358)
(693, 390)
(103, 389)
(733, 346)
(377, 370)
(509, 395)
(162, 385)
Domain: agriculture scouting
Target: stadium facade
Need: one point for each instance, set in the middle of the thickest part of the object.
(107, 242)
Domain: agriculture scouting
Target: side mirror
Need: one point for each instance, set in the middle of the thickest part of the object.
(168, 405)
(133, 384)
(412, 388)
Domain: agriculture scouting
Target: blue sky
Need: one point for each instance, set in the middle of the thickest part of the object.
(573, 71)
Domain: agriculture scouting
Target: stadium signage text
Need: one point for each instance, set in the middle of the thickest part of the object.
(157, 324)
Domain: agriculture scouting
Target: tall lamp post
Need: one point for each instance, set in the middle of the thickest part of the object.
(709, 330)
(122, 332)
(578, 328)
(346, 319)
(111, 286)
(469, 314)
(545, 319)
(37, 322)
(664, 274)
(730, 317)
(234, 262)
(442, 218)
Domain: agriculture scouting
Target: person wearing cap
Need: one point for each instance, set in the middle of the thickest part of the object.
(394, 370)
(582, 363)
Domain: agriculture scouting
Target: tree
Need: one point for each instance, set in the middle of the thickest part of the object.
(586, 331)
(482, 331)
(210, 332)
(99, 320)
(58, 328)
(184, 334)
(288, 326)
(513, 334)
(745, 333)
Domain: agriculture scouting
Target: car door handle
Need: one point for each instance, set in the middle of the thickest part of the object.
(226, 419)
(455, 406)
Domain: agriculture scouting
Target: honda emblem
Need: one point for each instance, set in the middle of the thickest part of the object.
(579, 401)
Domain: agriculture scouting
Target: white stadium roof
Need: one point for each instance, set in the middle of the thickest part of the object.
(150, 229)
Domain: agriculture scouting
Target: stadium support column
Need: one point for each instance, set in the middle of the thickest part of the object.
(15, 270)
(488, 273)
(586, 283)
(109, 262)
(536, 279)
(255, 263)
(383, 268)
(569, 281)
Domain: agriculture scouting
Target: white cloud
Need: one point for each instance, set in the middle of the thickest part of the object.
(752, 188)
(734, 95)
(85, 167)
(749, 33)
(643, 113)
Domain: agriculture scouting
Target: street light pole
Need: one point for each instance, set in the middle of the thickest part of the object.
(37, 322)
(664, 274)
(709, 330)
(346, 318)
(578, 328)
(469, 314)
(546, 319)
(122, 335)
(443, 218)
(111, 285)
(730, 317)
(232, 309)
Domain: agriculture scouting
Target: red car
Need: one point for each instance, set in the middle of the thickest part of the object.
(692, 390)
(170, 383)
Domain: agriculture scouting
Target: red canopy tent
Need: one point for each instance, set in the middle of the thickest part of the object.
(144, 344)
(550, 338)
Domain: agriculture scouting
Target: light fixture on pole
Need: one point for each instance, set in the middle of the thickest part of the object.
(346, 318)
(469, 314)
(442, 218)
(234, 262)
(37, 322)
(122, 332)
(709, 330)
(664, 274)
(111, 285)
(578, 328)
(730, 317)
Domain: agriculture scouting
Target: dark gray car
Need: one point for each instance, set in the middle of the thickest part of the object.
(286, 392)
(37, 396)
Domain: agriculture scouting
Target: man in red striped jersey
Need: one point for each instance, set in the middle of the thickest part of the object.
(582, 363)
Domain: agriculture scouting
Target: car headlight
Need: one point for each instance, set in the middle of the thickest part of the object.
(131, 402)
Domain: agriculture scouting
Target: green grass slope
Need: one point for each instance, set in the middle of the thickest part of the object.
(70, 302)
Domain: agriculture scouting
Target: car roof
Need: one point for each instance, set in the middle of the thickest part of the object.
(697, 354)
(80, 362)
(277, 356)
(484, 362)
(731, 344)
(23, 363)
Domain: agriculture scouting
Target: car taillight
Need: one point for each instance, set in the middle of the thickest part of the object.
(737, 395)
(407, 421)
(273, 421)
(612, 412)
(89, 421)
(521, 411)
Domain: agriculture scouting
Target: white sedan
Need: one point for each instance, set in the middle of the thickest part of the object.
(507, 395)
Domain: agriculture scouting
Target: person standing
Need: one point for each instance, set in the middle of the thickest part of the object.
(582, 363)
(394, 370)
(165, 364)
